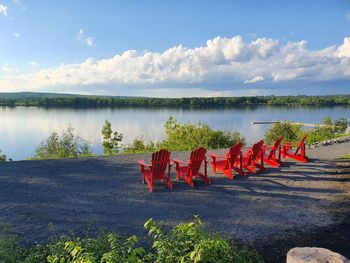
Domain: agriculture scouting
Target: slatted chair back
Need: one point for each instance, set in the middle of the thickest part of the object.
(160, 160)
(301, 144)
(274, 148)
(256, 150)
(197, 157)
(234, 152)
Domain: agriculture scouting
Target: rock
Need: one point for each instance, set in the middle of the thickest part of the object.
(314, 255)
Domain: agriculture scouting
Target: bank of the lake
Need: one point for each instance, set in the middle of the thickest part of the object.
(257, 210)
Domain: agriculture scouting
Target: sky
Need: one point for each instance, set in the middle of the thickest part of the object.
(175, 48)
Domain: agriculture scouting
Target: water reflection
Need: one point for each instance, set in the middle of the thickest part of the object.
(22, 128)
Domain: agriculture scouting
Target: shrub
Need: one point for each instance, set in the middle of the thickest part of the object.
(180, 137)
(110, 139)
(139, 146)
(189, 243)
(289, 131)
(64, 145)
(186, 242)
(334, 130)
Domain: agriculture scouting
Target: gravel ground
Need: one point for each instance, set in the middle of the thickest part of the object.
(73, 193)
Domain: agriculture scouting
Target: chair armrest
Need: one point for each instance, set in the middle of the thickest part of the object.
(213, 155)
(177, 162)
(143, 163)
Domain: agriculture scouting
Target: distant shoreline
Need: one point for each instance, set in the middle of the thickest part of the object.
(91, 101)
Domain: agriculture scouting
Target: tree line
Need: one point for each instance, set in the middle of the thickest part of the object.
(95, 101)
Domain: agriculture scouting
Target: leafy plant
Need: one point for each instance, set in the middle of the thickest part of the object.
(333, 130)
(139, 146)
(188, 242)
(64, 145)
(180, 137)
(289, 131)
(111, 139)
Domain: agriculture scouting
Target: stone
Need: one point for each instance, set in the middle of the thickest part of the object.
(314, 255)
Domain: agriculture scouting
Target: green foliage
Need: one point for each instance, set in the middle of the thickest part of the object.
(290, 132)
(186, 242)
(334, 130)
(64, 145)
(340, 125)
(110, 139)
(180, 137)
(10, 252)
(189, 243)
(61, 100)
(139, 146)
(2, 157)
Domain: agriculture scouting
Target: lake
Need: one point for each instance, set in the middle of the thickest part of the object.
(23, 128)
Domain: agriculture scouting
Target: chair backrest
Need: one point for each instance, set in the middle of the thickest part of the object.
(301, 144)
(234, 152)
(160, 160)
(196, 159)
(257, 149)
(275, 147)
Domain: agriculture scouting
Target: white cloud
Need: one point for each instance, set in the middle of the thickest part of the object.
(33, 63)
(16, 35)
(88, 40)
(344, 49)
(3, 10)
(255, 79)
(222, 65)
(80, 34)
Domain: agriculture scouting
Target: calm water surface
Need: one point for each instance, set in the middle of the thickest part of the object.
(23, 128)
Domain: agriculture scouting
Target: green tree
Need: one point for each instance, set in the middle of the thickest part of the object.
(64, 145)
(2, 157)
(289, 131)
(111, 139)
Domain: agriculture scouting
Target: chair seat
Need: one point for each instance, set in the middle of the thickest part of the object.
(222, 163)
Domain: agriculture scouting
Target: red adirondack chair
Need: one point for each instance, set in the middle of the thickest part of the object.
(232, 161)
(254, 158)
(273, 158)
(157, 169)
(189, 170)
(300, 150)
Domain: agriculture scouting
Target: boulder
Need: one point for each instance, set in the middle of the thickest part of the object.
(314, 255)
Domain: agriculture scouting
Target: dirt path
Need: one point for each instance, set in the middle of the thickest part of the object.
(73, 193)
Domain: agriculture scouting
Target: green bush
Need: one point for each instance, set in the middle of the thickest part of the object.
(189, 243)
(334, 130)
(181, 137)
(139, 146)
(64, 145)
(289, 131)
(184, 243)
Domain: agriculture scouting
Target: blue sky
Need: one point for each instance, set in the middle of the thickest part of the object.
(180, 48)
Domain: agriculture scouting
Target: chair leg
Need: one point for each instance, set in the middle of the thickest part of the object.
(205, 178)
(149, 183)
(188, 180)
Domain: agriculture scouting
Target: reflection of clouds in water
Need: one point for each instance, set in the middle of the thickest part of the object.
(22, 128)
